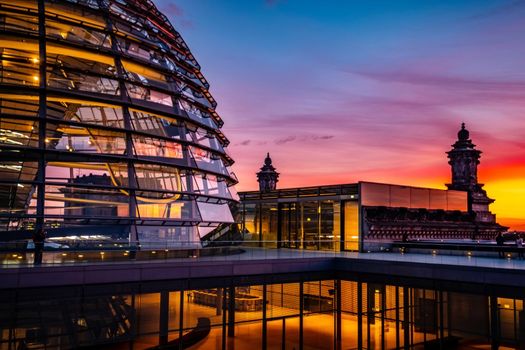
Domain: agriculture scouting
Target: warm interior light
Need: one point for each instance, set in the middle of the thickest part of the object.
(35, 60)
(36, 78)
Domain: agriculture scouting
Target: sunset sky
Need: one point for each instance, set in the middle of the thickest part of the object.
(342, 91)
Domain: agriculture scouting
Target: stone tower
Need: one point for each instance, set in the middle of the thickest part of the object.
(267, 177)
(464, 160)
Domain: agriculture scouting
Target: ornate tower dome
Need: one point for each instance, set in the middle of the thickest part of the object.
(107, 125)
(464, 160)
(267, 177)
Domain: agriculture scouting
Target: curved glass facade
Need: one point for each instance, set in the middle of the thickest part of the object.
(106, 125)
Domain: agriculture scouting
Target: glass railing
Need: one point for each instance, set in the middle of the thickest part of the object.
(68, 252)
(22, 253)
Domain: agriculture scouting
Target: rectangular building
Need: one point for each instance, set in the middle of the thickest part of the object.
(354, 217)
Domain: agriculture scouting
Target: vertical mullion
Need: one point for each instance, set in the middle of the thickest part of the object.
(181, 317)
(406, 318)
(224, 319)
(264, 321)
(132, 181)
(231, 311)
(397, 316)
(301, 316)
(359, 315)
(338, 322)
(163, 319)
(42, 115)
(383, 302)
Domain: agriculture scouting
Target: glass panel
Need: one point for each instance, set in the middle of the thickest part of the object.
(208, 161)
(164, 237)
(349, 314)
(18, 132)
(77, 138)
(82, 82)
(373, 194)
(77, 13)
(178, 210)
(289, 225)
(154, 124)
(212, 186)
(88, 203)
(215, 212)
(438, 199)
(457, 200)
(147, 94)
(351, 226)
(318, 301)
(97, 115)
(19, 23)
(330, 225)
(399, 196)
(76, 34)
(250, 230)
(196, 113)
(310, 224)
(147, 146)
(268, 222)
(148, 312)
(419, 198)
(17, 66)
(202, 137)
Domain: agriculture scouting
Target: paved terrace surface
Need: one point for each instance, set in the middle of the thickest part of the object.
(257, 261)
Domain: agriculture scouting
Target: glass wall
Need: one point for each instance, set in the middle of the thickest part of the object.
(308, 224)
(316, 314)
(375, 194)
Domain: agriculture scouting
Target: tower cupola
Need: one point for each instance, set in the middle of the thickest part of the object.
(267, 177)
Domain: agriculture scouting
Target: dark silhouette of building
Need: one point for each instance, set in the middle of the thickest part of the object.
(267, 177)
(464, 160)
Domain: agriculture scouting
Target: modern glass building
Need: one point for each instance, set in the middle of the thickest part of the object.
(327, 309)
(360, 216)
(106, 126)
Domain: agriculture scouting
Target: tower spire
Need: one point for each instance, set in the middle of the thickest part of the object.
(464, 160)
(267, 177)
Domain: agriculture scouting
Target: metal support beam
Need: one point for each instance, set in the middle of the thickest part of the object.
(301, 316)
(264, 321)
(406, 318)
(494, 323)
(224, 321)
(181, 317)
(231, 311)
(338, 320)
(163, 319)
(397, 317)
(359, 315)
(42, 116)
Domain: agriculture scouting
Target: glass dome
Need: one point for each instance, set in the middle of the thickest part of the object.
(107, 126)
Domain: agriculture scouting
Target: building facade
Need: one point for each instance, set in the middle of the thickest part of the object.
(370, 216)
(106, 126)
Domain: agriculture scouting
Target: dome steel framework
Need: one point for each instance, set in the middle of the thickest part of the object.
(106, 125)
